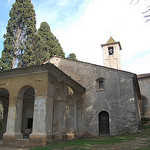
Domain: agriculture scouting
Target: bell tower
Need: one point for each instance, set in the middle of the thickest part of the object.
(111, 54)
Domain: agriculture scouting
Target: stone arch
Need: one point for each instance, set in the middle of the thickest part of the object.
(4, 102)
(69, 114)
(57, 111)
(26, 98)
(103, 118)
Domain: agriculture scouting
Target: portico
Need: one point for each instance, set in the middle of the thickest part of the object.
(43, 105)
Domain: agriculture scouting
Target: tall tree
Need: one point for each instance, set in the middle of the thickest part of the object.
(51, 42)
(18, 39)
(39, 51)
(72, 56)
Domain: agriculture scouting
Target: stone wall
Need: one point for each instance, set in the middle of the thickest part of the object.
(118, 96)
(144, 83)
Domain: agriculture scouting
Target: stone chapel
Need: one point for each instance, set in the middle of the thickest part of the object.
(66, 99)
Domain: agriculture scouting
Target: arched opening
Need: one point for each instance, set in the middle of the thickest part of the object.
(4, 102)
(69, 115)
(103, 122)
(57, 112)
(27, 111)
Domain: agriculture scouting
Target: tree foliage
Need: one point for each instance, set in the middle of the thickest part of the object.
(23, 46)
(39, 51)
(45, 45)
(72, 56)
(51, 42)
(18, 39)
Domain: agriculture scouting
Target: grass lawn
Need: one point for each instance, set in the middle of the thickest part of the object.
(139, 141)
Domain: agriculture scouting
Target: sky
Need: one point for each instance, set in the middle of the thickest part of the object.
(81, 26)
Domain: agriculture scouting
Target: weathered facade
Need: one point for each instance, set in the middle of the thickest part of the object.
(41, 104)
(117, 99)
(66, 99)
(144, 83)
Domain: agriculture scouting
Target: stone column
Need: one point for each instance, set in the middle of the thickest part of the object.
(41, 119)
(13, 129)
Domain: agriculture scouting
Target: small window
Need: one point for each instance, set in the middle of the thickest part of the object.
(30, 122)
(110, 50)
(100, 83)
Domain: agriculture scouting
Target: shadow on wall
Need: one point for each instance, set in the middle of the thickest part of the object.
(145, 107)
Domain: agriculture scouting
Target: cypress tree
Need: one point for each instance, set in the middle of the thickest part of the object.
(72, 56)
(18, 39)
(39, 51)
(51, 42)
(44, 46)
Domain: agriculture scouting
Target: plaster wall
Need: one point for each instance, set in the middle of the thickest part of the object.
(45, 94)
(16, 86)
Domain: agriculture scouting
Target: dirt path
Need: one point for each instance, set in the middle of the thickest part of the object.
(135, 144)
(130, 145)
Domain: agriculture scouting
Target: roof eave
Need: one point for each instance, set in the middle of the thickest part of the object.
(112, 44)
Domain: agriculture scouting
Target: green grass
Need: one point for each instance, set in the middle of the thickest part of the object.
(87, 144)
(79, 143)
(84, 144)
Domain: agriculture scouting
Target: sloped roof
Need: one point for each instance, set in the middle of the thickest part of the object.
(146, 75)
(48, 67)
(132, 75)
(110, 41)
(87, 63)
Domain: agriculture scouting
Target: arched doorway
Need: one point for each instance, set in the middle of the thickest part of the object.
(27, 111)
(4, 101)
(103, 122)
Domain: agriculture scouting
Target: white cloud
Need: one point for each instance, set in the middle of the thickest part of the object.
(58, 13)
(138, 65)
(102, 18)
(82, 26)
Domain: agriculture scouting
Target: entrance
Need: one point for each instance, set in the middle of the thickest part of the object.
(27, 113)
(103, 122)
